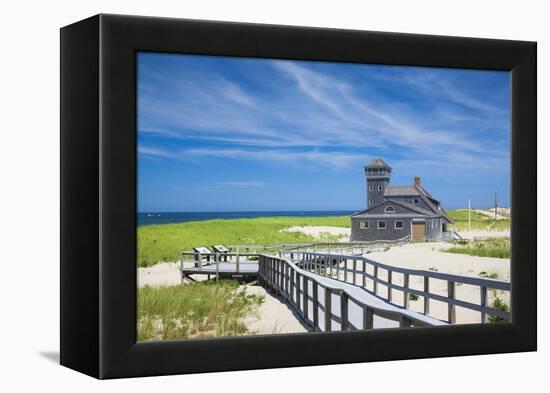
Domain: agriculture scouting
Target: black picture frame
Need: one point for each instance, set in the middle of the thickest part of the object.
(98, 195)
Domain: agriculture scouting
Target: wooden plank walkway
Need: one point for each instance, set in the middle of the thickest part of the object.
(327, 304)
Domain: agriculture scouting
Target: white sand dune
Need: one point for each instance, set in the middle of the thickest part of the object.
(318, 232)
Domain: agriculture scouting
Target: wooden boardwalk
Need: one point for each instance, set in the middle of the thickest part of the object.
(340, 290)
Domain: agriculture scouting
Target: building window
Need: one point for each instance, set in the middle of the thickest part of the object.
(389, 209)
(371, 202)
(436, 223)
(416, 201)
(371, 188)
(364, 224)
(380, 188)
(381, 224)
(380, 170)
(399, 225)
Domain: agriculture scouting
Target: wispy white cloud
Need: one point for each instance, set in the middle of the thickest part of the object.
(310, 158)
(307, 117)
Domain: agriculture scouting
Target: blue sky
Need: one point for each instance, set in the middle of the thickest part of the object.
(239, 134)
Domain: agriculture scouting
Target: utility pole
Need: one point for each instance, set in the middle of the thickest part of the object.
(469, 219)
(496, 206)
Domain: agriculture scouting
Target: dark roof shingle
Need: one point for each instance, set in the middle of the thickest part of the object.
(378, 163)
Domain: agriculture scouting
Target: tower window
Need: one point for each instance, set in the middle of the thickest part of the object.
(371, 202)
(389, 209)
(381, 224)
(380, 170)
(371, 188)
(363, 224)
(416, 201)
(380, 188)
(399, 225)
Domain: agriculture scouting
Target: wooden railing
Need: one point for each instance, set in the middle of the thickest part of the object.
(364, 271)
(241, 253)
(313, 300)
(201, 260)
(359, 246)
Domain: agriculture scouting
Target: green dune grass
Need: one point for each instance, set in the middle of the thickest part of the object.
(163, 243)
(478, 221)
(495, 248)
(202, 309)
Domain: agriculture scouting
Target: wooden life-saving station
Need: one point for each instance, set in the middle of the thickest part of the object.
(335, 286)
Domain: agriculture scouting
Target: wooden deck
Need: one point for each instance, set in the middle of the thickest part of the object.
(223, 268)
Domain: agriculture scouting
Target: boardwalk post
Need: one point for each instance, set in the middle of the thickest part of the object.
(281, 277)
(451, 307)
(315, 305)
(389, 285)
(218, 270)
(288, 281)
(375, 280)
(426, 297)
(368, 317)
(298, 290)
(354, 270)
(404, 321)
(364, 273)
(305, 299)
(273, 273)
(345, 269)
(238, 262)
(328, 309)
(344, 310)
(483, 303)
(405, 292)
(200, 261)
(292, 275)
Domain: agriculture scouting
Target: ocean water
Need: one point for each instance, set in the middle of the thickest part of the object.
(156, 218)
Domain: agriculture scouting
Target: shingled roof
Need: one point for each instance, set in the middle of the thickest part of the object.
(378, 163)
(397, 190)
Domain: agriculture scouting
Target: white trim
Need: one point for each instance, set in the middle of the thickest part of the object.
(371, 187)
(361, 224)
(371, 202)
(389, 211)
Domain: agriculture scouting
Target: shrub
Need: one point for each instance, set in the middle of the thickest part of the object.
(413, 296)
(498, 304)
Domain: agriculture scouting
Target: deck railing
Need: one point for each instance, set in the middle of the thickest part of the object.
(365, 271)
(200, 260)
(360, 246)
(302, 289)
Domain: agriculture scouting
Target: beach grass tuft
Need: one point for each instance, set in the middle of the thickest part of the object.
(201, 309)
(494, 248)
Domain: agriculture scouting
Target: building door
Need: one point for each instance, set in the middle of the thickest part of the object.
(418, 231)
